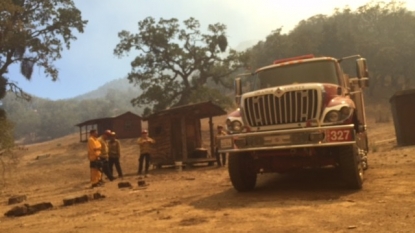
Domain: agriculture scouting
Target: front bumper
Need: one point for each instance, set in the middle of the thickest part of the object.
(288, 139)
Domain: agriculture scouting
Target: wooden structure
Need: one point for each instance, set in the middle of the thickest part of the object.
(127, 125)
(178, 134)
(403, 113)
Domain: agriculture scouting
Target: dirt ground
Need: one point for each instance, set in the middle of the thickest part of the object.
(202, 199)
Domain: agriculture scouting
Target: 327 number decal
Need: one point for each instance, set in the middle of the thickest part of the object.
(339, 135)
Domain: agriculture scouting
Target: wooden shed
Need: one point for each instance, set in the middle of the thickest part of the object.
(126, 125)
(178, 134)
(403, 112)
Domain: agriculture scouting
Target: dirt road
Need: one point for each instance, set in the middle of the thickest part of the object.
(201, 199)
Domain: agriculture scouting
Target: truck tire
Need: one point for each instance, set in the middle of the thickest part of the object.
(351, 166)
(242, 172)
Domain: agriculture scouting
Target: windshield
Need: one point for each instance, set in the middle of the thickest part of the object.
(310, 72)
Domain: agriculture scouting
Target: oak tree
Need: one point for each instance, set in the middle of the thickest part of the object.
(34, 32)
(174, 61)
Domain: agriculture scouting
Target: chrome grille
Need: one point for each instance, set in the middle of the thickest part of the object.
(292, 107)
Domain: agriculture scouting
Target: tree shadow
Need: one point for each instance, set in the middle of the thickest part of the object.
(304, 187)
(171, 169)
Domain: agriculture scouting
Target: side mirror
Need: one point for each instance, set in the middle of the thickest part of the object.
(346, 79)
(356, 83)
(361, 68)
(364, 82)
(238, 90)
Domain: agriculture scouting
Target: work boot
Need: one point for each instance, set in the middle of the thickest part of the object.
(97, 185)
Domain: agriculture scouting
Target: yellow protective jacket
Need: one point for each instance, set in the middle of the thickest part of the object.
(104, 148)
(145, 145)
(221, 133)
(94, 148)
(114, 148)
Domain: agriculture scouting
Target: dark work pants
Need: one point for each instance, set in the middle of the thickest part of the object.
(143, 157)
(106, 169)
(220, 156)
(116, 162)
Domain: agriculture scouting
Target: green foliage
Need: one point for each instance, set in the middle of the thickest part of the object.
(173, 61)
(34, 33)
(204, 94)
(381, 32)
(3, 90)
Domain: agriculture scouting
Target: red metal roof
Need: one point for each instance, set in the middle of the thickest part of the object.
(200, 110)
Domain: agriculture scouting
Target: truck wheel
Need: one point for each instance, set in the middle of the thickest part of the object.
(242, 172)
(351, 166)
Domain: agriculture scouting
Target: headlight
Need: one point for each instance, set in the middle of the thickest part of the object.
(345, 111)
(236, 126)
(337, 116)
(332, 116)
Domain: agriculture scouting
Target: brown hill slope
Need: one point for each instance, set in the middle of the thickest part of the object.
(201, 199)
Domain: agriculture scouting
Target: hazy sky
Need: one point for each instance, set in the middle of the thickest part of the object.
(90, 62)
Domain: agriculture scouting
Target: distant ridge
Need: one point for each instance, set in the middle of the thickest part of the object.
(119, 85)
(244, 45)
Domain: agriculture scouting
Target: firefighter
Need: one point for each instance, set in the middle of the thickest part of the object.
(94, 151)
(114, 152)
(145, 143)
(219, 156)
(104, 154)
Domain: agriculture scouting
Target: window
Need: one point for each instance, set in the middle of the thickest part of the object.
(308, 72)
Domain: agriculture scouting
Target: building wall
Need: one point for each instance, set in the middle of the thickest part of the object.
(127, 126)
(160, 130)
(168, 133)
(104, 125)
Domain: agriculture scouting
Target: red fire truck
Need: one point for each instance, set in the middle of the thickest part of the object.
(303, 112)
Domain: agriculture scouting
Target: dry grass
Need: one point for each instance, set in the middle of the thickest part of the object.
(201, 199)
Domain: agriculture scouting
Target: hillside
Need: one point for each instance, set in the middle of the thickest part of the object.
(119, 85)
(43, 119)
